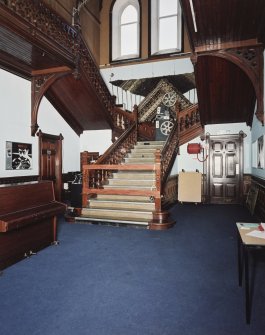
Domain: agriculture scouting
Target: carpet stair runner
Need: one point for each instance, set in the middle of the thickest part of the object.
(126, 209)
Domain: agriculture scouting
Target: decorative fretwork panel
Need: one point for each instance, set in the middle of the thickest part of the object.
(148, 107)
(46, 25)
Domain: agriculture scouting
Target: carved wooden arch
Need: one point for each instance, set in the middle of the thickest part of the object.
(40, 83)
(249, 60)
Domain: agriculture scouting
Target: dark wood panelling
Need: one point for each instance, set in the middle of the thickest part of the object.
(78, 104)
(17, 179)
(220, 22)
(227, 88)
(171, 191)
(30, 45)
(260, 204)
(225, 93)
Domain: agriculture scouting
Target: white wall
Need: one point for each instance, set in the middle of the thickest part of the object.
(15, 99)
(95, 140)
(145, 70)
(51, 122)
(257, 131)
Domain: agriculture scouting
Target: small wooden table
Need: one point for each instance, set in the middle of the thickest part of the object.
(245, 245)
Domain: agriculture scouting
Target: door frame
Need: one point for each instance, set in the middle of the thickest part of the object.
(208, 163)
(58, 160)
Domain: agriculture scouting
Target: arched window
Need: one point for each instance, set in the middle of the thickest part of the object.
(166, 26)
(125, 29)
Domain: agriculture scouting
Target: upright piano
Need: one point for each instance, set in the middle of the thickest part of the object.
(28, 220)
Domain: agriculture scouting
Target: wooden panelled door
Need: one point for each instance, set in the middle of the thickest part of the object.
(224, 169)
(50, 160)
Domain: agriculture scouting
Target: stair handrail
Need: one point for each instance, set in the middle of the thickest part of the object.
(88, 64)
(122, 119)
(118, 150)
(188, 117)
(169, 153)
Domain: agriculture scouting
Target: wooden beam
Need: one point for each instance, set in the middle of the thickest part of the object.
(51, 70)
(227, 45)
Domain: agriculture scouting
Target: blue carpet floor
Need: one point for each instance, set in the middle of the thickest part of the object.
(104, 280)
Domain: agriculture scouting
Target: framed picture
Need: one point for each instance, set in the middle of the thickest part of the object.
(18, 156)
(260, 148)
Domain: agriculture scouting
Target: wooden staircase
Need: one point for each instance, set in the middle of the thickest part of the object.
(126, 209)
(128, 183)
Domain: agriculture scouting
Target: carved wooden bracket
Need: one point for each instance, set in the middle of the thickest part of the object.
(40, 83)
(250, 60)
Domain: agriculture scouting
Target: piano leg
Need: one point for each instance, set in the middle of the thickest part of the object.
(54, 224)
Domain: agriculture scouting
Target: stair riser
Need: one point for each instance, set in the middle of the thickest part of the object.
(116, 215)
(136, 176)
(124, 206)
(143, 150)
(146, 143)
(140, 155)
(129, 187)
(152, 146)
(124, 182)
(139, 161)
(128, 198)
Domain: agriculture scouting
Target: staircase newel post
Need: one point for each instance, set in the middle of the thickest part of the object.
(161, 219)
(85, 187)
(135, 118)
(158, 179)
(135, 113)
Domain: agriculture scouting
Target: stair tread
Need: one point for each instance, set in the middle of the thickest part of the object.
(124, 180)
(123, 202)
(117, 214)
(139, 187)
(132, 222)
(133, 176)
(121, 205)
(120, 211)
(129, 198)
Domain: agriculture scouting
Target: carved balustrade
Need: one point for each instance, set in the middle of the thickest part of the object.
(123, 119)
(95, 176)
(147, 130)
(118, 150)
(45, 21)
(169, 153)
(44, 24)
(188, 118)
(148, 106)
(88, 65)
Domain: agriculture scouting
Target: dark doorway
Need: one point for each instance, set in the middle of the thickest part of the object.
(50, 160)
